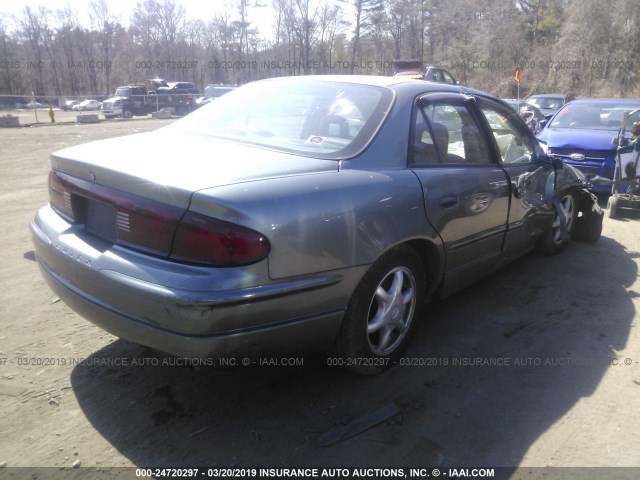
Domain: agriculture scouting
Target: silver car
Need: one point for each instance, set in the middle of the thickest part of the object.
(302, 214)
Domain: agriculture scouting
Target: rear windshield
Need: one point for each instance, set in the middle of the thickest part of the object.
(322, 119)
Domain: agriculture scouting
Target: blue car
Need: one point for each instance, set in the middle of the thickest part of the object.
(582, 133)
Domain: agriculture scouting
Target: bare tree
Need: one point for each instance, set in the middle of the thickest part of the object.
(158, 25)
(33, 25)
(10, 66)
(242, 26)
(481, 41)
(364, 10)
(329, 25)
(105, 24)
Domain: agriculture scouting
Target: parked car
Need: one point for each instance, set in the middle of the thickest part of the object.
(304, 214)
(135, 100)
(530, 114)
(419, 70)
(214, 91)
(202, 101)
(36, 105)
(549, 103)
(582, 134)
(69, 104)
(87, 105)
(179, 88)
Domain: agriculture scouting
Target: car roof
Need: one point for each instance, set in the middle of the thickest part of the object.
(606, 101)
(394, 83)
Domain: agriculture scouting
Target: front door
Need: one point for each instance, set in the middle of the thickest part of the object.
(465, 189)
(530, 213)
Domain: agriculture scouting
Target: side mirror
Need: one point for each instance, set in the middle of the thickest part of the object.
(543, 123)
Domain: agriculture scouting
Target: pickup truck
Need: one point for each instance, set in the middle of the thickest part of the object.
(136, 100)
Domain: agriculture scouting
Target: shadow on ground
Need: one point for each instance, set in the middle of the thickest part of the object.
(554, 321)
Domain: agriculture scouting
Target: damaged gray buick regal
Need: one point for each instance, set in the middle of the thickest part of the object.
(305, 214)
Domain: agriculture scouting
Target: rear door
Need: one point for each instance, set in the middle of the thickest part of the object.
(466, 192)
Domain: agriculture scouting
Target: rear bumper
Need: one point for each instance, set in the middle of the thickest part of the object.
(185, 310)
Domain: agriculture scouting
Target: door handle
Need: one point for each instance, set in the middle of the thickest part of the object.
(448, 203)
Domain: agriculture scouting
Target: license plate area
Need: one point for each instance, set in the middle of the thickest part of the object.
(99, 218)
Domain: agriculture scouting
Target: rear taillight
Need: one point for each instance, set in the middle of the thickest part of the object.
(205, 240)
(60, 196)
(113, 215)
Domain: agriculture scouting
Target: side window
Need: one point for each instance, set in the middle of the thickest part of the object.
(447, 133)
(423, 148)
(514, 146)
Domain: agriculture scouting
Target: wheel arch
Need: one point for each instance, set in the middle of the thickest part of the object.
(432, 263)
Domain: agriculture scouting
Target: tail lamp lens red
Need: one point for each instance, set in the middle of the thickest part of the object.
(203, 239)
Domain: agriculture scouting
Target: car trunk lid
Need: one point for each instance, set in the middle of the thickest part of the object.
(168, 168)
(135, 190)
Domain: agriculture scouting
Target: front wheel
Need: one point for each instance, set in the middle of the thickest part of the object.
(382, 313)
(564, 221)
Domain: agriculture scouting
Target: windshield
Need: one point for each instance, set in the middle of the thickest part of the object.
(592, 116)
(123, 92)
(321, 119)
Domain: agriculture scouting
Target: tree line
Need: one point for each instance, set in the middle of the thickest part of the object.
(582, 47)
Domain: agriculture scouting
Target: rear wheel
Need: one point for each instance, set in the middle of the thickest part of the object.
(382, 313)
(564, 223)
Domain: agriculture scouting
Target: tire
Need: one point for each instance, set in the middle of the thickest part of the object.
(612, 207)
(382, 313)
(588, 227)
(127, 114)
(553, 240)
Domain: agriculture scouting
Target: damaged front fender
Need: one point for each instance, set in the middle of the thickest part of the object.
(588, 224)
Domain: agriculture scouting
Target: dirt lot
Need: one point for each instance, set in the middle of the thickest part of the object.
(561, 332)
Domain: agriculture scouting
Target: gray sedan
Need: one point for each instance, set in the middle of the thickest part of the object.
(302, 214)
